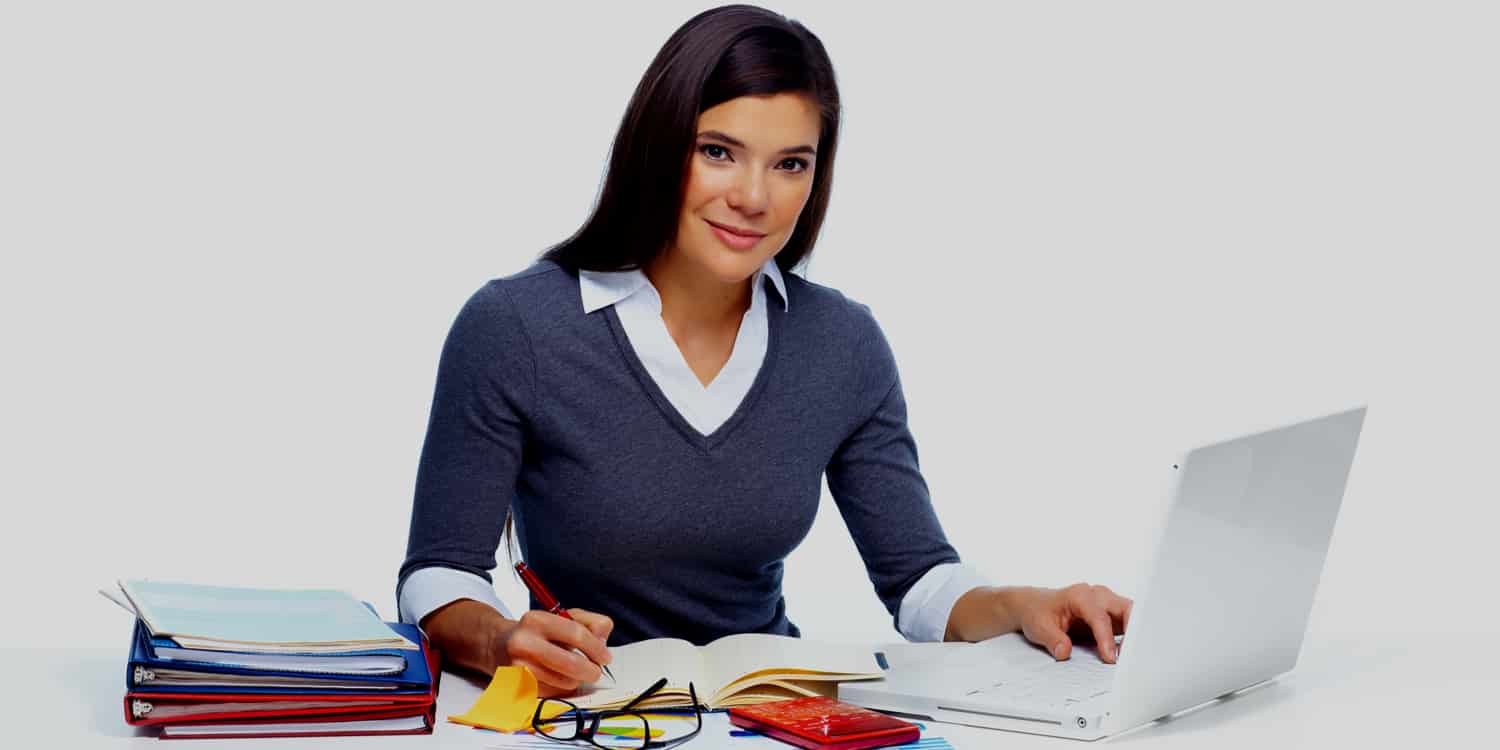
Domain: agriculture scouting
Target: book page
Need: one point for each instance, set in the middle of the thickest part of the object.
(728, 659)
(767, 691)
(637, 665)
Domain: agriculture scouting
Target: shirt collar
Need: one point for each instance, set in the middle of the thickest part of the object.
(601, 289)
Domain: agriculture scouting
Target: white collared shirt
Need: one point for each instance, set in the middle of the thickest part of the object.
(638, 305)
(924, 609)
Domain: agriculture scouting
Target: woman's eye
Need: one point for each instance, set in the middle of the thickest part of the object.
(715, 152)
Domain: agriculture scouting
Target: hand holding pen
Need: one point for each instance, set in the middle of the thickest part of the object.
(563, 634)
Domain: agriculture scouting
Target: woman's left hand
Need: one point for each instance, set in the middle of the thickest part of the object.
(1082, 609)
(1050, 618)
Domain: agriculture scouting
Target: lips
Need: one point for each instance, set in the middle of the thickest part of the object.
(733, 238)
(737, 231)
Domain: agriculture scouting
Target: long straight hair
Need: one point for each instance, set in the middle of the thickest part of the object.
(718, 55)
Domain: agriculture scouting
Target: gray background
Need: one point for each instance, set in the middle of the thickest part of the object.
(1096, 234)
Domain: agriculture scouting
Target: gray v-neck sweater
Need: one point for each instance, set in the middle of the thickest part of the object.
(622, 507)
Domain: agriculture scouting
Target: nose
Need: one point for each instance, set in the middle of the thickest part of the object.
(749, 194)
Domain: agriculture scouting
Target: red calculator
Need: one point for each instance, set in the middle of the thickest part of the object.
(824, 724)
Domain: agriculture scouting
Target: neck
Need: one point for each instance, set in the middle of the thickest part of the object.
(696, 298)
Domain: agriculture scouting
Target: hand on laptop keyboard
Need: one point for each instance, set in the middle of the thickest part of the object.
(1048, 615)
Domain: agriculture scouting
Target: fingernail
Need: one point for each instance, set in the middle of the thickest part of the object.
(1057, 651)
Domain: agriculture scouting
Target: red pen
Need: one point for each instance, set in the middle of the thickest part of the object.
(551, 604)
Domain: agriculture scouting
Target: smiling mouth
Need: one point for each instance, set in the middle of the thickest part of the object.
(735, 231)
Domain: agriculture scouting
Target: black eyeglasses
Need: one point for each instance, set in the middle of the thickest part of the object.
(627, 723)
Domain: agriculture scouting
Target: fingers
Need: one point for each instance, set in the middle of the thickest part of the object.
(1047, 632)
(1119, 610)
(1100, 610)
(1096, 609)
(548, 682)
(572, 634)
(545, 643)
(600, 625)
(1045, 623)
(1098, 622)
(551, 664)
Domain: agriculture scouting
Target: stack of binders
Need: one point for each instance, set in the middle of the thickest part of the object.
(215, 662)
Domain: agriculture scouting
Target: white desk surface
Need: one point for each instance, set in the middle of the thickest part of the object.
(1420, 690)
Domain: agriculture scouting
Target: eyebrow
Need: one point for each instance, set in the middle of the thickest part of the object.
(803, 149)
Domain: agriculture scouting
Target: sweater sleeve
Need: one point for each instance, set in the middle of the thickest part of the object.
(471, 456)
(876, 483)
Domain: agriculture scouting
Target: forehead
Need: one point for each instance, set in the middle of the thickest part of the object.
(765, 123)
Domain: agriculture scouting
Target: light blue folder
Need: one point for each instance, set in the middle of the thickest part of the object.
(258, 616)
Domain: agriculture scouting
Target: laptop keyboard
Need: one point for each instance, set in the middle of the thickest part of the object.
(1057, 686)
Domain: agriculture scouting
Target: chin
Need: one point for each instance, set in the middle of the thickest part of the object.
(728, 265)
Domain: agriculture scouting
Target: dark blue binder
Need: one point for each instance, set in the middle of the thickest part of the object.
(141, 671)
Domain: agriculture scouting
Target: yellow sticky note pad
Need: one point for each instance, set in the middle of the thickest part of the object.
(508, 704)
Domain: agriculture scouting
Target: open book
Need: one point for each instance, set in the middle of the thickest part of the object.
(736, 670)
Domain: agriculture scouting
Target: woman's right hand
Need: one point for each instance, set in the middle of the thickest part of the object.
(474, 636)
(545, 643)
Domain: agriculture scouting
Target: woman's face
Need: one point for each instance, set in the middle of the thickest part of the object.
(748, 178)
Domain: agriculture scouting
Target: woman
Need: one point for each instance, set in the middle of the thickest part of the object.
(657, 399)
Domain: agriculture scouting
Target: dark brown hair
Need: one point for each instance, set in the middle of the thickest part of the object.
(718, 55)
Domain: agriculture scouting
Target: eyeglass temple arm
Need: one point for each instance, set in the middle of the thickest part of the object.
(647, 694)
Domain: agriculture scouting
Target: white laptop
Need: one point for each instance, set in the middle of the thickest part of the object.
(1224, 607)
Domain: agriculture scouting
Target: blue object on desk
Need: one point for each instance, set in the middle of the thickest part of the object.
(143, 665)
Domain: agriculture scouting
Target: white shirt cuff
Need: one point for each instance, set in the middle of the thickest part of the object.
(924, 611)
(426, 589)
